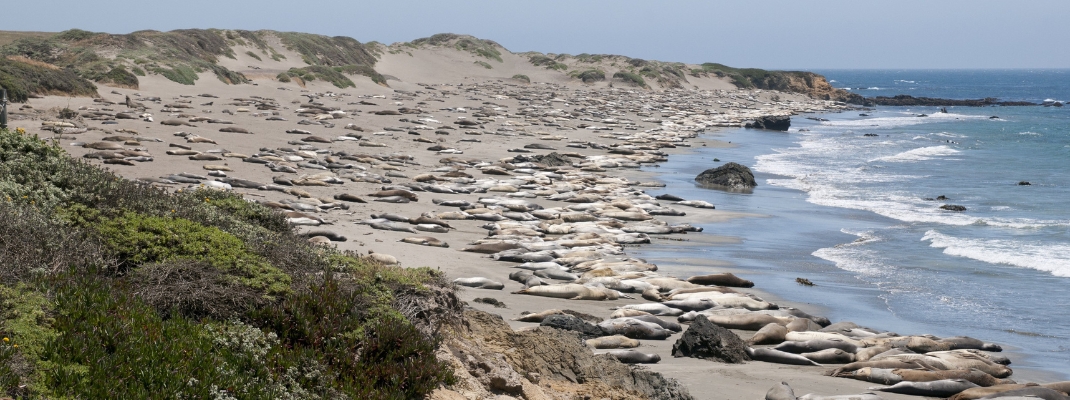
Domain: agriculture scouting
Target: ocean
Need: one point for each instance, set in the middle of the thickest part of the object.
(852, 203)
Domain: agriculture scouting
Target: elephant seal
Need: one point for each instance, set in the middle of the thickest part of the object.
(396, 192)
(527, 278)
(569, 291)
(780, 391)
(423, 219)
(724, 279)
(319, 241)
(334, 237)
(830, 356)
(867, 353)
(432, 228)
(771, 333)
(425, 241)
(393, 199)
(817, 345)
(778, 357)
(863, 396)
(491, 248)
(634, 357)
(691, 305)
(1030, 393)
(995, 391)
(747, 322)
(654, 308)
(234, 129)
(672, 326)
(803, 325)
(391, 226)
(977, 377)
(349, 197)
(479, 283)
(539, 316)
(966, 342)
(940, 388)
(634, 329)
(627, 312)
(384, 259)
(612, 342)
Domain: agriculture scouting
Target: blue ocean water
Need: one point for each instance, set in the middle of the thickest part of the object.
(850, 203)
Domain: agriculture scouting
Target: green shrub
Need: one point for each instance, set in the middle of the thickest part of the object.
(283, 77)
(22, 79)
(179, 74)
(630, 77)
(591, 75)
(253, 55)
(521, 77)
(484, 64)
(138, 71)
(121, 77)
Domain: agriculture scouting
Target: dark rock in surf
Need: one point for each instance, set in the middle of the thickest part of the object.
(953, 207)
(731, 175)
(773, 123)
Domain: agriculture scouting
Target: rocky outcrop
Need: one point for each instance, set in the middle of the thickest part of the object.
(953, 207)
(771, 122)
(490, 359)
(572, 323)
(907, 100)
(704, 339)
(729, 176)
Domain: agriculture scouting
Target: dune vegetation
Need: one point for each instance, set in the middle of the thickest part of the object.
(116, 289)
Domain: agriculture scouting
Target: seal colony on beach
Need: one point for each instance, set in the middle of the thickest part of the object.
(424, 173)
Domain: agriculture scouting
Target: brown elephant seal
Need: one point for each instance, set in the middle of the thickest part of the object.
(612, 342)
(425, 241)
(234, 129)
(634, 357)
(771, 333)
(966, 342)
(977, 377)
(1030, 393)
(747, 322)
(723, 279)
(396, 192)
(830, 356)
(780, 391)
(803, 325)
(332, 236)
(651, 294)
(990, 391)
(778, 357)
(940, 388)
(175, 122)
(491, 248)
(479, 283)
(349, 197)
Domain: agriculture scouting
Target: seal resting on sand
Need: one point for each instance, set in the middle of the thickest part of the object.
(725, 279)
(634, 357)
(569, 291)
(425, 241)
(479, 283)
(778, 357)
(612, 342)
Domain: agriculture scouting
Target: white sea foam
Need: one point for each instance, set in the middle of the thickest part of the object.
(919, 154)
(1048, 257)
(1028, 133)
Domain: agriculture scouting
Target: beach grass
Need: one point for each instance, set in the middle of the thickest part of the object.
(115, 289)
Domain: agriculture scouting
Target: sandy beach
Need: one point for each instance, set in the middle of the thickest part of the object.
(473, 118)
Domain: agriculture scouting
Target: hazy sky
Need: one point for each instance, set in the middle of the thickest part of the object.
(782, 34)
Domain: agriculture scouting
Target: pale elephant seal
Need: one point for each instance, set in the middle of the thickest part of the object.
(634, 357)
(569, 291)
(670, 325)
(385, 259)
(995, 391)
(691, 305)
(634, 329)
(862, 396)
(539, 316)
(393, 199)
(771, 333)
(940, 388)
(654, 308)
(612, 342)
(627, 312)
(830, 356)
(724, 279)
(319, 241)
(425, 241)
(432, 228)
(479, 283)
(814, 345)
(780, 391)
(392, 226)
(778, 357)
(868, 353)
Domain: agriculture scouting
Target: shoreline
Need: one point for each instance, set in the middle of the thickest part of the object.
(756, 377)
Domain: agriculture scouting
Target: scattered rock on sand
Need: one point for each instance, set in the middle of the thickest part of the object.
(703, 339)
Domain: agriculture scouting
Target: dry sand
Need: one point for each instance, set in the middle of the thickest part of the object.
(705, 379)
